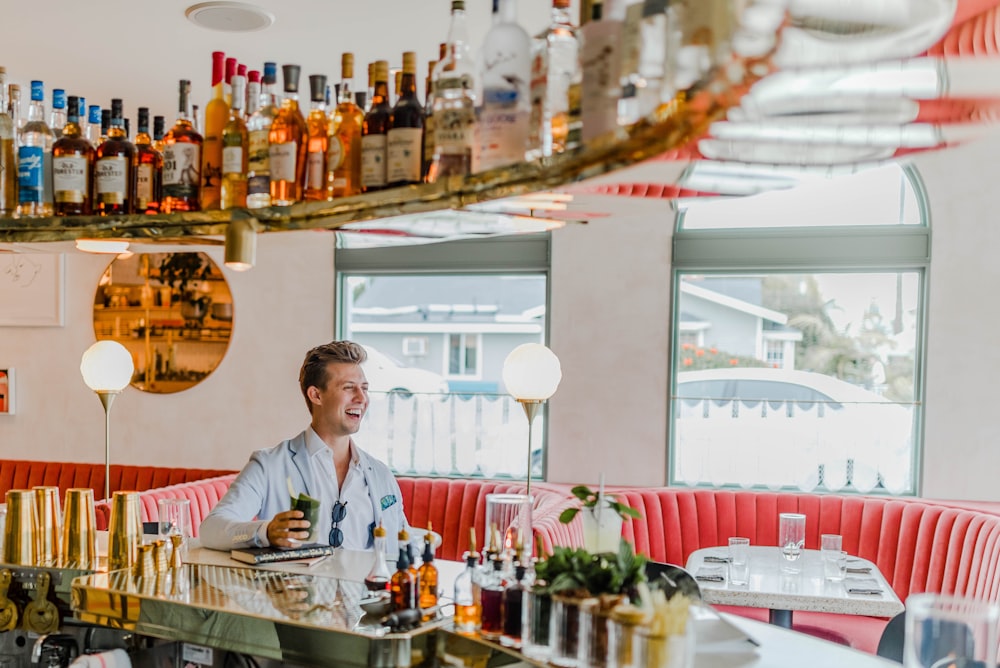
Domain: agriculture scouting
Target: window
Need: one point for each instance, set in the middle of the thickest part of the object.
(455, 311)
(807, 371)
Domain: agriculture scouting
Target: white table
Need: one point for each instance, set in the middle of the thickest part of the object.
(782, 593)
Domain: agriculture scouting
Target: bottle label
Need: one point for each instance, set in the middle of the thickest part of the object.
(403, 155)
(601, 65)
(430, 135)
(259, 156)
(30, 164)
(259, 184)
(315, 171)
(373, 149)
(181, 170)
(503, 137)
(455, 130)
(69, 179)
(335, 153)
(282, 158)
(232, 160)
(143, 186)
(111, 177)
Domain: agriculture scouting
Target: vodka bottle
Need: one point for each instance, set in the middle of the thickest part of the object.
(506, 109)
(34, 159)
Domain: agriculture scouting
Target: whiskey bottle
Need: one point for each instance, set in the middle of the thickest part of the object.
(158, 123)
(506, 71)
(287, 144)
(428, 150)
(182, 159)
(405, 138)
(378, 577)
(114, 180)
(428, 581)
(344, 152)
(34, 159)
(402, 586)
(57, 117)
(216, 115)
(235, 145)
(258, 128)
(148, 167)
(317, 140)
(72, 160)
(455, 143)
(94, 125)
(374, 133)
(8, 154)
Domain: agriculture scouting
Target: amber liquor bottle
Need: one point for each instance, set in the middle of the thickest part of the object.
(402, 586)
(114, 179)
(405, 138)
(344, 151)
(428, 578)
(182, 159)
(235, 149)
(216, 115)
(374, 133)
(317, 140)
(148, 167)
(72, 160)
(287, 144)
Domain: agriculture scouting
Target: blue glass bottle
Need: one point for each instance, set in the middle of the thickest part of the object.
(34, 159)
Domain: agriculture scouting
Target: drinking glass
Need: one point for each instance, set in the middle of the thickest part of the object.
(791, 539)
(565, 632)
(535, 625)
(510, 516)
(834, 558)
(174, 520)
(947, 630)
(739, 561)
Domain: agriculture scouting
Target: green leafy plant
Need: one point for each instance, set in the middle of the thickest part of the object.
(589, 499)
(578, 573)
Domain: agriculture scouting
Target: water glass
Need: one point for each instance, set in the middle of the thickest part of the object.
(791, 540)
(510, 516)
(834, 558)
(174, 520)
(948, 630)
(739, 561)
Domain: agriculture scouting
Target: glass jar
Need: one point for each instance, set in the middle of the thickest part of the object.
(565, 631)
(621, 629)
(536, 615)
(595, 617)
(658, 651)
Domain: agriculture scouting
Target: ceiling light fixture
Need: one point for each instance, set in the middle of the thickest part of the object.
(229, 16)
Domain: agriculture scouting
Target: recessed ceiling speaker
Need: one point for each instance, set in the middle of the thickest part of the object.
(229, 16)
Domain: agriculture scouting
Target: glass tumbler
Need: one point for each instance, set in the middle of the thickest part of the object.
(949, 631)
(174, 518)
(791, 540)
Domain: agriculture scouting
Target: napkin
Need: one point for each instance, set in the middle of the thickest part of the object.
(866, 570)
(716, 559)
(863, 586)
(710, 574)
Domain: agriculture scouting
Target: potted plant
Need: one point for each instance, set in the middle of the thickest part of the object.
(183, 272)
(603, 517)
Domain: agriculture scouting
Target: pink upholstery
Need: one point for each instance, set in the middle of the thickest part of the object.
(919, 546)
(203, 494)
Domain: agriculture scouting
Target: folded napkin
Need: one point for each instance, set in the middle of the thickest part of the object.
(866, 570)
(710, 574)
(715, 559)
(862, 586)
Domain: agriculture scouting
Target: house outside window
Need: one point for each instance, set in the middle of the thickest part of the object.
(464, 355)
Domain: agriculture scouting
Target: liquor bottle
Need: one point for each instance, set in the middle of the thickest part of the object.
(287, 144)
(513, 599)
(8, 154)
(114, 180)
(370, 92)
(317, 140)
(428, 150)
(235, 147)
(405, 138)
(227, 88)
(253, 93)
(258, 128)
(105, 125)
(600, 62)
(378, 577)
(374, 133)
(411, 553)
(182, 159)
(468, 610)
(72, 160)
(402, 586)
(216, 115)
(455, 142)
(344, 153)
(491, 600)
(196, 119)
(94, 125)
(428, 576)
(34, 159)
(57, 117)
(555, 82)
(158, 123)
(506, 71)
(14, 107)
(148, 167)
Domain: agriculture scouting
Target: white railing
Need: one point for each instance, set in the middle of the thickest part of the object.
(467, 435)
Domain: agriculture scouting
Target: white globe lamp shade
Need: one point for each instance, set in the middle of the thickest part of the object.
(531, 372)
(107, 367)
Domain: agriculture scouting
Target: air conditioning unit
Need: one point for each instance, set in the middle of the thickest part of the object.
(414, 346)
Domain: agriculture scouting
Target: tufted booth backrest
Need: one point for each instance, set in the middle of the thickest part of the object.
(455, 505)
(917, 545)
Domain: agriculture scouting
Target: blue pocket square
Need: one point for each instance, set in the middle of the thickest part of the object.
(387, 501)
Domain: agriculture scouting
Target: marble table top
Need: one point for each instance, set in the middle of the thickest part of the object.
(771, 588)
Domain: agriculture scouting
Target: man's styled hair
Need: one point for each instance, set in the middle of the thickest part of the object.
(313, 372)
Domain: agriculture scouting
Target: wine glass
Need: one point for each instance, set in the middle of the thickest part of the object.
(791, 539)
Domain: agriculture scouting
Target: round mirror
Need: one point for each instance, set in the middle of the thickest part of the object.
(174, 313)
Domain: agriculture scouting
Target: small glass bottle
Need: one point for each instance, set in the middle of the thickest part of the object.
(468, 608)
(402, 586)
(216, 115)
(148, 167)
(411, 553)
(72, 161)
(114, 181)
(287, 144)
(491, 599)
(513, 600)
(235, 144)
(34, 159)
(344, 157)
(405, 137)
(317, 141)
(428, 577)
(378, 577)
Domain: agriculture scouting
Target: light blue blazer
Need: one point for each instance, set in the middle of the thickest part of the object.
(261, 491)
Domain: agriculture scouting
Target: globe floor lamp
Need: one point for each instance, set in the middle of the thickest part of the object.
(531, 374)
(107, 369)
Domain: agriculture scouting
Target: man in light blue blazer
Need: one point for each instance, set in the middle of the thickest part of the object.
(356, 491)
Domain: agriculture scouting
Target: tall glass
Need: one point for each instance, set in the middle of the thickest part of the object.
(791, 540)
(949, 631)
(510, 515)
(565, 631)
(174, 516)
(535, 625)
